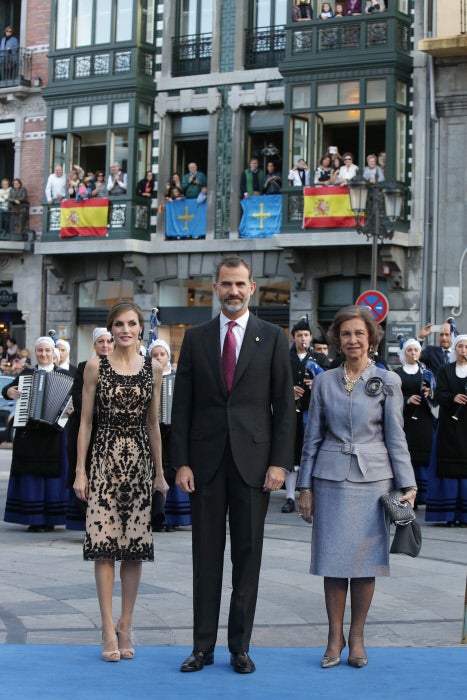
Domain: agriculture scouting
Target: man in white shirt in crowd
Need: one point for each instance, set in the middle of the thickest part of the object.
(117, 182)
(55, 188)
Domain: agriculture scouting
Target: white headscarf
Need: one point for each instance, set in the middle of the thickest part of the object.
(161, 343)
(57, 354)
(98, 332)
(44, 339)
(457, 339)
(408, 343)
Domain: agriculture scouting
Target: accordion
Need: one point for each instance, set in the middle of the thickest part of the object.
(45, 398)
(165, 404)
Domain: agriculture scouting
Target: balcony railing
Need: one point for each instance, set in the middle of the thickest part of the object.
(126, 219)
(102, 64)
(265, 47)
(14, 223)
(361, 34)
(15, 69)
(191, 55)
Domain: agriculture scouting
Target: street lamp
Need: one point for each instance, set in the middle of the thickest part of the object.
(367, 200)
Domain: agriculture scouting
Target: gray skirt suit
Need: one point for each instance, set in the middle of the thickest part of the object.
(354, 451)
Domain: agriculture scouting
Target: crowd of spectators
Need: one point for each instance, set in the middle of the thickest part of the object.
(303, 11)
(13, 359)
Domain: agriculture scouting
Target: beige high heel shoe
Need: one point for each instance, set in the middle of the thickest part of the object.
(127, 652)
(112, 655)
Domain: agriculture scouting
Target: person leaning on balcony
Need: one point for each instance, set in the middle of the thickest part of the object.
(339, 9)
(9, 47)
(353, 7)
(193, 181)
(252, 180)
(375, 6)
(302, 11)
(19, 203)
(100, 187)
(348, 171)
(299, 176)
(117, 182)
(373, 172)
(324, 171)
(55, 189)
(5, 193)
(145, 187)
(272, 182)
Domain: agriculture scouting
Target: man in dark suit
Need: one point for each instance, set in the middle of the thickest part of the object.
(301, 351)
(230, 446)
(435, 356)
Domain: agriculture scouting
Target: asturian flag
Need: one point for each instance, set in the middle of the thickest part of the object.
(89, 217)
(262, 216)
(327, 207)
(185, 218)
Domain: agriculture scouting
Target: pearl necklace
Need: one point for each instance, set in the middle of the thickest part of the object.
(350, 383)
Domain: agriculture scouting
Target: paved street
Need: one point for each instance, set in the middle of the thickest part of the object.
(47, 593)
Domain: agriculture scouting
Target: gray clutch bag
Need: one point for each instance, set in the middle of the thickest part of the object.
(399, 513)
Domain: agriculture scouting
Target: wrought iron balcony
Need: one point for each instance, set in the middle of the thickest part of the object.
(14, 223)
(191, 55)
(102, 63)
(265, 47)
(15, 69)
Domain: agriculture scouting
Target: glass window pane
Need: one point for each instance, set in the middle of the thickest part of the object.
(81, 116)
(63, 24)
(124, 20)
(144, 149)
(147, 21)
(60, 119)
(401, 92)
(349, 93)
(119, 150)
(121, 113)
(299, 139)
(403, 6)
(207, 12)
(376, 91)
(83, 23)
(262, 13)
(401, 146)
(58, 150)
(99, 114)
(144, 114)
(280, 12)
(103, 21)
(327, 95)
(301, 97)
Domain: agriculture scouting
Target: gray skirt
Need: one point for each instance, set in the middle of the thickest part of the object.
(350, 529)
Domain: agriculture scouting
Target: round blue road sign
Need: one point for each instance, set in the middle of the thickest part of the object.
(376, 302)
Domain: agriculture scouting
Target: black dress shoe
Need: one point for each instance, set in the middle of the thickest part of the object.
(289, 506)
(197, 661)
(242, 663)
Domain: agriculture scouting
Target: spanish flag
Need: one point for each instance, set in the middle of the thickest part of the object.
(327, 207)
(88, 217)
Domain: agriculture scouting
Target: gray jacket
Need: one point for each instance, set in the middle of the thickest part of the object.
(360, 436)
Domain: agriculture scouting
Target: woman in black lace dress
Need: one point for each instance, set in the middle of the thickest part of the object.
(126, 468)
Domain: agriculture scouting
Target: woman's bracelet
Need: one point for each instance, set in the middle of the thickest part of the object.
(406, 489)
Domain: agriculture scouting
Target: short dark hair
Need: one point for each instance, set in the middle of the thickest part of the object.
(232, 261)
(120, 307)
(347, 314)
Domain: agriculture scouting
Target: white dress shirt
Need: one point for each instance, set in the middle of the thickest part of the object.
(55, 187)
(238, 330)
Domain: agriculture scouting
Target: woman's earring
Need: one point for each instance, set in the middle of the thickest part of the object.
(140, 335)
(371, 351)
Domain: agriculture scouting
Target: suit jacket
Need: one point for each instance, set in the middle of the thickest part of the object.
(359, 437)
(433, 357)
(258, 416)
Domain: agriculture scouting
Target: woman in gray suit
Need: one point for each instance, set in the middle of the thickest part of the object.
(354, 452)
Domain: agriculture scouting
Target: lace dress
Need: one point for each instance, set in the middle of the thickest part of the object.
(118, 518)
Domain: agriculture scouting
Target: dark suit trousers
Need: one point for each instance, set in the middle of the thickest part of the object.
(246, 507)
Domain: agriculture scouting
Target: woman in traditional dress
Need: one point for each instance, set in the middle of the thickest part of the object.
(103, 345)
(354, 452)
(446, 499)
(177, 503)
(126, 468)
(37, 492)
(418, 386)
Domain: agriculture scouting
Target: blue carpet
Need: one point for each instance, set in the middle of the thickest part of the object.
(77, 672)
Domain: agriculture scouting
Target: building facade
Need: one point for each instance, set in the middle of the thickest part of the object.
(157, 85)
